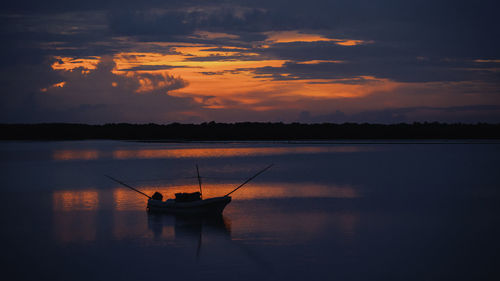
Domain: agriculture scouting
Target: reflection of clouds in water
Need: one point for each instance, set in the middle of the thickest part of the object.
(75, 154)
(247, 223)
(348, 223)
(127, 200)
(74, 215)
(129, 225)
(76, 212)
(269, 225)
(229, 152)
(75, 200)
(277, 228)
(204, 152)
(74, 226)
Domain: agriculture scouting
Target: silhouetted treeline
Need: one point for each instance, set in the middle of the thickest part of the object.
(248, 131)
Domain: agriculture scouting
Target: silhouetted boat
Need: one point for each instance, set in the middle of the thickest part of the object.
(189, 203)
(211, 205)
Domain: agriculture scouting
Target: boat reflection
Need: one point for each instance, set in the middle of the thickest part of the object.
(190, 230)
(188, 226)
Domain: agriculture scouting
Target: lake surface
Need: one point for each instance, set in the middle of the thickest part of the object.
(325, 211)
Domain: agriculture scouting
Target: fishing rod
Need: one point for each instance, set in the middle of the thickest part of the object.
(251, 178)
(126, 185)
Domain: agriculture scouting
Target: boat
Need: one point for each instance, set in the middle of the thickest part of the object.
(203, 206)
(189, 203)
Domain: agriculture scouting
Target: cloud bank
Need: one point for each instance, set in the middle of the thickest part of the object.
(194, 61)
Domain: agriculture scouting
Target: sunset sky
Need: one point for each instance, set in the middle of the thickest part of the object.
(376, 61)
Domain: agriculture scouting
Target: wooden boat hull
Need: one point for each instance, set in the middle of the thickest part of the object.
(207, 206)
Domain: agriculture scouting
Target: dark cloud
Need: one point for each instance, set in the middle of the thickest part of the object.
(465, 114)
(149, 24)
(410, 68)
(99, 96)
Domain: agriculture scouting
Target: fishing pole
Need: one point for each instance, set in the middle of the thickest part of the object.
(199, 179)
(126, 185)
(251, 178)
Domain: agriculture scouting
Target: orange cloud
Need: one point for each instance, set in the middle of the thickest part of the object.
(57, 85)
(69, 63)
(218, 79)
(349, 42)
(293, 36)
(487, 61)
(297, 36)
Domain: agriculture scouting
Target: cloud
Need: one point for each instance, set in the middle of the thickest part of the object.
(453, 114)
(372, 60)
(432, 54)
(99, 95)
(150, 67)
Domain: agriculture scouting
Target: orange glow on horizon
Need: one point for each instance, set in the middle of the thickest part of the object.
(226, 78)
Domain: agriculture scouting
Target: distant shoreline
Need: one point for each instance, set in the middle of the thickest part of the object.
(251, 131)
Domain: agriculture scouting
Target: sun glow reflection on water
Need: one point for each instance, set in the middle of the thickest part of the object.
(76, 213)
(332, 212)
(226, 152)
(127, 200)
(63, 155)
(75, 200)
(204, 152)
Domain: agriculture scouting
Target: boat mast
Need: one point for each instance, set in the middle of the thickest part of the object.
(251, 178)
(199, 180)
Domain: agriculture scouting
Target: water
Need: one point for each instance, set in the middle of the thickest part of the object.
(325, 211)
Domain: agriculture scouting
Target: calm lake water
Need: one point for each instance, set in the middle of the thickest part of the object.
(325, 211)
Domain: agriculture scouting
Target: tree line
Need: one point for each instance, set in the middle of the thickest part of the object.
(213, 131)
